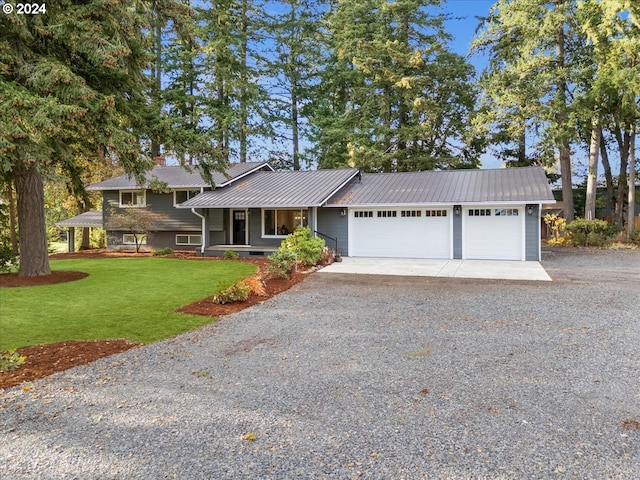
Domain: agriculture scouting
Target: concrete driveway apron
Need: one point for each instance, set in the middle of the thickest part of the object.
(419, 267)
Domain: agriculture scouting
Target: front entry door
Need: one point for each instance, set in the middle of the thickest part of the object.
(239, 227)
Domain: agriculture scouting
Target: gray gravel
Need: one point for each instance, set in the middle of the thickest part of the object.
(362, 377)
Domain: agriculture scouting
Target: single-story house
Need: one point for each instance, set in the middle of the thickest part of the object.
(467, 214)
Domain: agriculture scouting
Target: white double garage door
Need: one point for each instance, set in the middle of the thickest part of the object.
(487, 233)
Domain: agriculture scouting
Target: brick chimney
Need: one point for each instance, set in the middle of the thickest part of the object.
(159, 161)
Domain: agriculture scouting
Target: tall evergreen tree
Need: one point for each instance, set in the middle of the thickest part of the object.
(400, 99)
(72, 80)
(233, 98)
(526, 85)
(292, 61)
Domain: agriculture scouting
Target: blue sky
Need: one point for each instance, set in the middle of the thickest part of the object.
(462, 27)
(464, 23)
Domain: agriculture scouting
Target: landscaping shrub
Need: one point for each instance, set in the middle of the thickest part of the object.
(281, 262)
(230, 255)
(162, 251)
(238, 292)
(256, 285)
(557, 225)
(300, 247)
(10, 360)
(8, 259)
(586, 232)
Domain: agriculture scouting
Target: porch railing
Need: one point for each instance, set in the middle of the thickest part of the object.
(327, 239)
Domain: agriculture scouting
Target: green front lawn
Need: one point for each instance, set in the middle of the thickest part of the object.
(131, 298)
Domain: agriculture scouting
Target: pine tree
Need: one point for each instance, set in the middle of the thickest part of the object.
(71, 80)
(401, 100)
(532, 45)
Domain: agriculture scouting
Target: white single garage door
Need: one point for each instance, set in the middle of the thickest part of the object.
(404, 233)
(494, 233)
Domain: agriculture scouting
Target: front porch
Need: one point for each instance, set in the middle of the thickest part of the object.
(241, 250)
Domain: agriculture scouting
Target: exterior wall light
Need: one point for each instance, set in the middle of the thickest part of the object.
(530, 209)
(343, 212)
(457, 209)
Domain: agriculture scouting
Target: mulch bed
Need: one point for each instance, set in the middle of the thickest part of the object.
(43, 360)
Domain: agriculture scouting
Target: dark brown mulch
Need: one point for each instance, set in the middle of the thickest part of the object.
(58, 276)
(43, 360)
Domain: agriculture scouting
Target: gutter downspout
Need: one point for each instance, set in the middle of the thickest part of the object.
(193, 210)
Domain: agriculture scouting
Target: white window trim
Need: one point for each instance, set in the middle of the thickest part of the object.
(144, 199)
(199, 190)
(264, 235)
(189, 240)
(133, 239)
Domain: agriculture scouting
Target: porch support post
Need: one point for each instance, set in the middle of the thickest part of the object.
(71, 237)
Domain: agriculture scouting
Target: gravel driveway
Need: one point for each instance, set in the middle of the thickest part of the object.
(362, 377)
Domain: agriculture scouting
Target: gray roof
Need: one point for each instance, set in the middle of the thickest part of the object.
(180, 177)
(505, 185)
(276, 190)
(92, 218)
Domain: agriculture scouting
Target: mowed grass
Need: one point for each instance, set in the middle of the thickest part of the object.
(132, 298)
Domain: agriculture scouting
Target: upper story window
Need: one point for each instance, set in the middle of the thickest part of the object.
(282, 222)
(181, 196)
(133, 198)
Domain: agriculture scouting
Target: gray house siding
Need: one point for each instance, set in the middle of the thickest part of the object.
(532, 234)
(175, 219)
(457, 233)
(332, 224)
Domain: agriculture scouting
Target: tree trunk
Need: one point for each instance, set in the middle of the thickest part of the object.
(12, 218)
(592, 174)
(632, 184)
(157, 81)
(610, 200)
(623, 146)
(244, 107)
(561, 120)
(34, 257)
(522, 147)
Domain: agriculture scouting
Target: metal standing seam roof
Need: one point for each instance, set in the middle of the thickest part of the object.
(92, 218)
(505, 185)
(179, 177)
(276, 190)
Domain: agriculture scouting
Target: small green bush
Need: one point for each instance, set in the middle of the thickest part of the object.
(230, 255)
(10, 360)
(584, 231)
(8, 259)
(162, 251)
(281, 262)
(237, 292)
(306, 248)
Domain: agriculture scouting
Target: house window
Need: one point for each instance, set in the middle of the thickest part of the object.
(480, 212)
(506, 212)
(181, 196)
(387, 213)
(188, 239)
(282, 222)
(363, 214)
(133, 198)
(436, 213)
(411, 213)
(130, 239)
